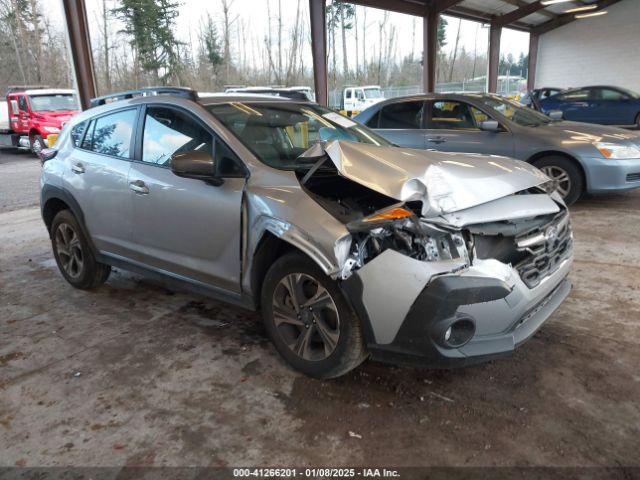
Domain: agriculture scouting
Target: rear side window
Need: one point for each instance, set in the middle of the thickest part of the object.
(111, 134)
(452, 115)
(22, 103)
(401, 115)
(609, 94)
(77, 133)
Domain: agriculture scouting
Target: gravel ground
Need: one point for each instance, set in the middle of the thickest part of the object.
(135, 374)
(19, 180)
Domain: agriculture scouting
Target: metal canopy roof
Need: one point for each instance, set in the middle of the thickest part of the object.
(527, 15)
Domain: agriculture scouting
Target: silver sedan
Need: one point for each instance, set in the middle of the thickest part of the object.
(580, 157)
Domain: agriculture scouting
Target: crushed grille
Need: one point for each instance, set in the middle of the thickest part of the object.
(545, 257)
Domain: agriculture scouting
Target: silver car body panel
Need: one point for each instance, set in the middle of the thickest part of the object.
(444, 182)
(455, 189)
(388, 302)
(512, 207)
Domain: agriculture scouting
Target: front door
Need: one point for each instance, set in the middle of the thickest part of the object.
(454, 126)
(185, 226)
(96, 176)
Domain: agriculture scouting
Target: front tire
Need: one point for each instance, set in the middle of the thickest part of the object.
(565, 173)
(308, 319)
(73, 254)
(37, 144)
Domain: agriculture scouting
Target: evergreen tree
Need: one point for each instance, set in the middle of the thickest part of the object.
(210, 43)
(150, 24)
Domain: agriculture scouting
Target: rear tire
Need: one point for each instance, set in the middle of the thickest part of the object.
(37, 144)
(322, 342)
(638, 122)
(73, 254)
(566, 173)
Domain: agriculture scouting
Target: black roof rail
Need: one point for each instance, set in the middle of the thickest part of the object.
(183, 92)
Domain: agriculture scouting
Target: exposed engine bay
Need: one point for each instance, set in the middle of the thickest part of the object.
(534, 240)
(377, 222)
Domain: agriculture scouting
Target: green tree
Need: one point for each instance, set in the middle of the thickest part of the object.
(442, 32)
(150, 25)
(210, 43)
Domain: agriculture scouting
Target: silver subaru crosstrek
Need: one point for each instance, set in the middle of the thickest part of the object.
(350, 247)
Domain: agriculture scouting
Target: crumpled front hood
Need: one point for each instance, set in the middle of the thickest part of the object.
(444, 182)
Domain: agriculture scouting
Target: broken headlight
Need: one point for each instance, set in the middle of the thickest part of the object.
(400, 229)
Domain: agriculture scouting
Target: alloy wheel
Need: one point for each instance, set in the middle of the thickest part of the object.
(560, 177)
(37, 146)
(69, 250)
(306, 317)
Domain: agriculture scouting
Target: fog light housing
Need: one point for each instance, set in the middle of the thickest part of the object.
(459, 332)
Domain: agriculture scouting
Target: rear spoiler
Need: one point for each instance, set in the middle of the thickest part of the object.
(145, 92)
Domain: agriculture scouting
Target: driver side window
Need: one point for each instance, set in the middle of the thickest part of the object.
(167, 132)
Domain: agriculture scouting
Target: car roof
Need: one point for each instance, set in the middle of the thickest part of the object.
(437, 96)
(205, 98)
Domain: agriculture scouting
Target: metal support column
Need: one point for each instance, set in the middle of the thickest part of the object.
(429, 49)
(533, 58)
(495, 32)
(77, 27)
(317, 12)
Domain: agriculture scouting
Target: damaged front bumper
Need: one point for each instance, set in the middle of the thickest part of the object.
(408, 307)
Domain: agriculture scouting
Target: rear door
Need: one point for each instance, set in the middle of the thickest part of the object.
(181, 225)
(401, 123)
(98, 169)
(453, 126)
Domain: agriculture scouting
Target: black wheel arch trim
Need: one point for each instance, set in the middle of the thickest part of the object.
(51, 192)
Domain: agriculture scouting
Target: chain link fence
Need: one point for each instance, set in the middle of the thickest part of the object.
(507, 86)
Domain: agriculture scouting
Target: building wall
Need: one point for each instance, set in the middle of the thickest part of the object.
(601, 50)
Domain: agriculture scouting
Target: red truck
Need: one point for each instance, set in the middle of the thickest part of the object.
(34, 114)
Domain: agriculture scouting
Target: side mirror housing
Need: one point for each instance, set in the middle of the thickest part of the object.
(196, 164)
(556, 115)
(490, 126)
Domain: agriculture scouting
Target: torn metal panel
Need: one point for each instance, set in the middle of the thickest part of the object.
(444, 182)
(512, 207)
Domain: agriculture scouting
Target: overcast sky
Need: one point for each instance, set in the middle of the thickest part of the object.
(253, 13)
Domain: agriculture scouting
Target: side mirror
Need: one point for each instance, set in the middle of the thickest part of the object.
(196, 164)
(490, 126)
(556, 115)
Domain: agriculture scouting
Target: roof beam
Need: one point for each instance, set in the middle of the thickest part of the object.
(478, 16)
(518, 13)
(522, 3)
(399, 6)
(566, 18)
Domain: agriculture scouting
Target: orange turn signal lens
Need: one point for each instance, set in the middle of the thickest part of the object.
(393, 214)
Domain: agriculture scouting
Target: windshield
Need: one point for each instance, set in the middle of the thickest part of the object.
(372, 93)
(516, 112)
(41, 103)
(278, 133)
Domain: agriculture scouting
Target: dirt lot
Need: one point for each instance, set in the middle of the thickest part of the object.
(135, 374)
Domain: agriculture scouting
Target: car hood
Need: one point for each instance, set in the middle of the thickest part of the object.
(443, 182)
(588, 133)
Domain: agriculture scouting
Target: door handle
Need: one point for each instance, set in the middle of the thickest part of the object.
(77, 168)
(436, 139)
(139, 186)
